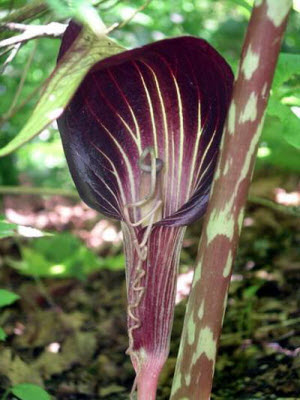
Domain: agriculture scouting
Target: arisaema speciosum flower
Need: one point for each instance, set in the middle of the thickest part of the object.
(141, 136)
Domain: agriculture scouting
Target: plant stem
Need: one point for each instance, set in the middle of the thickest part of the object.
(223, 221)
(147, 383)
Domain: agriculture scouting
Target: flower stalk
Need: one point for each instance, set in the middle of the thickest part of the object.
(224, 217)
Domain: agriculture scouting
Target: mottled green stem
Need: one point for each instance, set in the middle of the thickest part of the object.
(223, 221)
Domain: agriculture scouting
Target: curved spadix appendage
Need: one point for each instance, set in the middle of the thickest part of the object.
(141, 136)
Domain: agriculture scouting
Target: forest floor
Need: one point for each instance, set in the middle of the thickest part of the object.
(69, 335)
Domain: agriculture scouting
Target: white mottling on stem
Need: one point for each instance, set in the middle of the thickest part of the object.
(197, 274)
(251, 150)
(224, 306)
(176, 382)
(217, 174)
(228, 264)
(226, 169)
(191, 330)
(258, 3)
(187, 378)
(250, 63)
(231, 118)
(264, 90)
(206, 345)
(201, 310)
(240, 219)
(278, 10)
(221, 222)
(250, 111)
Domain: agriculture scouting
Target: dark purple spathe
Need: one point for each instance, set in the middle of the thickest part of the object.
(171, 96)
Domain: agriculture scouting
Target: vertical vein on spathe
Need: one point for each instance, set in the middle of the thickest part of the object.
(181, 139)
(136, 124)
(111, 106)
(121, 150)
(166, 132)
(111, 206)
(115, 172)
(203, 157)
(195, 153)
(172, 179)
(150, 108)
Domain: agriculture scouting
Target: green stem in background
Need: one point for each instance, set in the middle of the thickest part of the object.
(223, 221)
(288, 210)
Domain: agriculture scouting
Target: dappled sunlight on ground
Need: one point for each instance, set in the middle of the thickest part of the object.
(287, 199)
(184, 283)
(58, 214)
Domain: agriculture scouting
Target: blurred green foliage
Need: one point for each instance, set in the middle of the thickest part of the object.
(6, 229)
(71, 258)
(27, 391)
(6, 299)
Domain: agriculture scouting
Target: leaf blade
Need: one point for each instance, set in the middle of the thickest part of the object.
(290, 122)
(7, 298)
(7, 229)
(288, 65)
(2, 334)
(27, 391)
(86, 50)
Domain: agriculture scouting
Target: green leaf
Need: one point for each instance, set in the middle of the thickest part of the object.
(71, 258)
(27, 391)
(281, 153)
(86, 50)
(2, 334)
(7, 297)
(288, 65)
(6, 229)
(290, 122)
